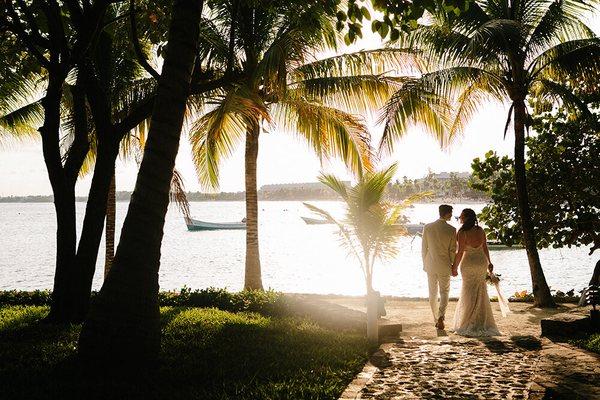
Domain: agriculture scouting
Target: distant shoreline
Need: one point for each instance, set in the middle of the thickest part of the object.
(9, 200)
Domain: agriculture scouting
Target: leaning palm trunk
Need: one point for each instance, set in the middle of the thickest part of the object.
(111, 206)
(93, 225)
(252, 277)
(541, 291)
(123, 325)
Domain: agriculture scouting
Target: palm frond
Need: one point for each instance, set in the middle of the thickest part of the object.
(365, 62)
(556, 92)
(356, 93)
(555, 26)
(216, 134)
(568, 60)
(213, 44)
(469, 102)
(23, 122)
(414, 104)
(329, 131)
(178, 196)
(335, 184)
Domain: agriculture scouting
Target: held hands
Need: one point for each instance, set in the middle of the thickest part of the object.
(454, 270)
(491, 267)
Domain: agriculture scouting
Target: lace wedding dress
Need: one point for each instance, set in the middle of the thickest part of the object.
(473, 315)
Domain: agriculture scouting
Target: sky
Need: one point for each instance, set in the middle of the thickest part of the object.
(283, 158)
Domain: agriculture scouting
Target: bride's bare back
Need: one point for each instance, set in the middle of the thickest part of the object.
(474, 237)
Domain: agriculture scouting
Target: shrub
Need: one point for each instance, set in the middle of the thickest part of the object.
(558, 296)
(263, 302)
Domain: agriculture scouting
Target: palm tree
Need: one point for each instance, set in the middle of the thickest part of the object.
(283, 89)
(123, 325)
(499, 50)
(370, 229)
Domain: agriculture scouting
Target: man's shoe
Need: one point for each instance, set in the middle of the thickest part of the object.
(440, 323)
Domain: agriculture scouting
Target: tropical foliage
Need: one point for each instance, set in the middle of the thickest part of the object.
(394, 17)
(564, 184)
(370, 228)
(503, 51)
(286, 89)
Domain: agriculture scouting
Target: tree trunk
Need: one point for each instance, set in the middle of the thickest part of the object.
(93, 225)
(541, 291)
(111, 209)
(123, 325)
(63, 190)
(66, 238)
(252, 277)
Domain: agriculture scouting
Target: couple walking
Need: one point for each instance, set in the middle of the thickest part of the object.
(444, 250)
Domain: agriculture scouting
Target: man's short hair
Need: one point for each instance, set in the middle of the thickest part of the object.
(445, 209)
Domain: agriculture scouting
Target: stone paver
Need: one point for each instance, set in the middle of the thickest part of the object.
(454, 369)
(566, 372)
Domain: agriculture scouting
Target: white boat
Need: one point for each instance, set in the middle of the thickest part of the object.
(197, 225)
(314, 221)
(414, 229)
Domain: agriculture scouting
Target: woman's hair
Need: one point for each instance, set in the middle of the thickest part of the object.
(469, 219)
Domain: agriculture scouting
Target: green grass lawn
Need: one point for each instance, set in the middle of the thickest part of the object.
(206, 354)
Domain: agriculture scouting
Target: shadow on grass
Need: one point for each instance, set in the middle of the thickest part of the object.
(206, 354)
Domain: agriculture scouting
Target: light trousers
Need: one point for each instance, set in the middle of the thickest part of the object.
(438, 283)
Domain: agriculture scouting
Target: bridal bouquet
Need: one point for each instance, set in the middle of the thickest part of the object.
(494, 280)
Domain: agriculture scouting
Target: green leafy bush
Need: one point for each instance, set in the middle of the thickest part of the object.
(263, 302)
(591, 343)
(25, 298)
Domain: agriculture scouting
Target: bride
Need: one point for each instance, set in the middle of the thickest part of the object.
(473, 315)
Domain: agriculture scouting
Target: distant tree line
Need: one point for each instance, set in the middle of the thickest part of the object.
(454, 186)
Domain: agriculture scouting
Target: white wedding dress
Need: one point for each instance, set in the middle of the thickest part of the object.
(473, 315)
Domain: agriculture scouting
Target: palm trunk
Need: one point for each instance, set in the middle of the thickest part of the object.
(93, 225)
(111, 208)
(541, 291)
(252, 277)
(372, 303)
(123, 325)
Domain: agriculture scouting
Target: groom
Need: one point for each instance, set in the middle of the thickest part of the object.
(438, 250)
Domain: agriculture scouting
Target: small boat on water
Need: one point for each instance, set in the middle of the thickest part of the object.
(197, 225)
(315, 221)
(414, 229)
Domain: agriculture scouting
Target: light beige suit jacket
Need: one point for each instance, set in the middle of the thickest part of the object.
(439, 247)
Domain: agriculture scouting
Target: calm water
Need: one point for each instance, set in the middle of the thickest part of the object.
(296, 257)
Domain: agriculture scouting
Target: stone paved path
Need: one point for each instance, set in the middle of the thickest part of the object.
(453, 368)
(422, 365)
(517, 367)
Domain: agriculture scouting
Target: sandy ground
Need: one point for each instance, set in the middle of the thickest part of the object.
(417, 320)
